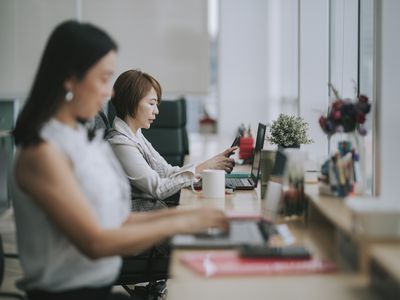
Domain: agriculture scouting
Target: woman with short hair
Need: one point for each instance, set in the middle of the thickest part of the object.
(136, 98)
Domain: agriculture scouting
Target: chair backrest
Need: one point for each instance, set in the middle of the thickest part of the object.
(101, 121)
(168, 133)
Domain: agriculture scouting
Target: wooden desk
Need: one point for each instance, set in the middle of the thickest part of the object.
(319, 235)
(385, 270)
(388, 257)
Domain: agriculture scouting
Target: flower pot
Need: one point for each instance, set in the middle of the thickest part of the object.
(282, 148)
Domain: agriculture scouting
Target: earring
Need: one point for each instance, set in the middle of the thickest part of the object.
(69, 96)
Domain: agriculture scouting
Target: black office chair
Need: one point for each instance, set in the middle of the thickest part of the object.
(168, 133)
(2, 263)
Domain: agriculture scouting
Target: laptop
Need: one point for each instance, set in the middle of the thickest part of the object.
(245, 232)
(241, 232)
(248, 181)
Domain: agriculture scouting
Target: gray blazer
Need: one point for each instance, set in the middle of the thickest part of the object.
(152, 179)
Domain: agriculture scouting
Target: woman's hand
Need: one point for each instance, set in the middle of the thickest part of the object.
(219, 162)
(197, 220)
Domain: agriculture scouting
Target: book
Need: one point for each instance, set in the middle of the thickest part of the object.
(228, 263)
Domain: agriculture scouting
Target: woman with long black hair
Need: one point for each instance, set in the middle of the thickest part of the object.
(71, 197)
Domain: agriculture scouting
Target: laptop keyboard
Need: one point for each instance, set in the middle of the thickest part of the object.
(238, 182)
(245, 232)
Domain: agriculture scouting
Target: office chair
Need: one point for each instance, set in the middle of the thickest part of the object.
(168, 133)
(169, 140)
(2, 263)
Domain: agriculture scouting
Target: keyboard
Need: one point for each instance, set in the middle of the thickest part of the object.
(245, 233)
(234, 182)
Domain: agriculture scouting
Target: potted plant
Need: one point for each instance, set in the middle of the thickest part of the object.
(288, 132)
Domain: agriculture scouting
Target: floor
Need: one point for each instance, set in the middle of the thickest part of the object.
(12, 270)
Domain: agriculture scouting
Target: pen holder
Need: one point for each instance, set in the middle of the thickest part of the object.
(343, 171)
(246, 147)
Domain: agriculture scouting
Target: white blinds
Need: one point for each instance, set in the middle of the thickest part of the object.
(167, 39)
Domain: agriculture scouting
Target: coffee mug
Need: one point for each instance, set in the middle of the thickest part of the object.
(213, 183)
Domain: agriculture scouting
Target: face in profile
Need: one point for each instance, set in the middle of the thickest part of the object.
(147, 110)
(94, 88)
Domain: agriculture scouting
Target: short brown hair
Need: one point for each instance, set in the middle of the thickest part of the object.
(131, 87)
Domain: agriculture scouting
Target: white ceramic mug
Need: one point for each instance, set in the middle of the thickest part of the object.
(213, 183)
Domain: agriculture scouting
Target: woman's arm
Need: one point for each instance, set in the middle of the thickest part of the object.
(145, 178)
(45, 174)
(220, 161)
(155, 214)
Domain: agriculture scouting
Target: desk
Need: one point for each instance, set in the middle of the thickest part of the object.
(318, 236)
(385, 270)
(341, 285)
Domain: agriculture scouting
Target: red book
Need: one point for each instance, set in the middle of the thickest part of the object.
(228, 263)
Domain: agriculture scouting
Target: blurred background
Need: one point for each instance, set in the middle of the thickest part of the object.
(234, 61)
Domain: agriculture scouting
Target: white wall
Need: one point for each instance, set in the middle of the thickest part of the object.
(344, 47)
(24, 28)
(243, 64)
(389, 99)
(283, 57)
(168, 39)
(313, 71)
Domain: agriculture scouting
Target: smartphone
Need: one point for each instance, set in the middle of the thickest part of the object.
(235, 143)
(255, 251)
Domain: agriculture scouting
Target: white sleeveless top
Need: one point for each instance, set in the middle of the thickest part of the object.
(49, 260)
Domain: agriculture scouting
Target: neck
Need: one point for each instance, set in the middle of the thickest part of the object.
(65, 116)
(132, 124)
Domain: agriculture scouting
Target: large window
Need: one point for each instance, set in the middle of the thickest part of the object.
(351, 64)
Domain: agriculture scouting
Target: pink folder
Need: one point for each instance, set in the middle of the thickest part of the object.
(228, 263)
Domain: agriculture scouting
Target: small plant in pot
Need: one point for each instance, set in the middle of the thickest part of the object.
(288, 132)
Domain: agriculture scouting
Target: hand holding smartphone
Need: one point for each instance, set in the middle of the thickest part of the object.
(234, 144)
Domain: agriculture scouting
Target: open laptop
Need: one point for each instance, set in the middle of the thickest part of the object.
(248, 181)
(250, 232)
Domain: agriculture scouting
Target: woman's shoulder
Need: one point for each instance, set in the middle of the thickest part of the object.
(40, 152)
(35, 160)
(115, 137)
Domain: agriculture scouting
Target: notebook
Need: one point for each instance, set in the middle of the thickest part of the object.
(248, 181)
(252, 232)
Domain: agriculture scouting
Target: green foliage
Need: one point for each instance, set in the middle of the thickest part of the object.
(289, 131)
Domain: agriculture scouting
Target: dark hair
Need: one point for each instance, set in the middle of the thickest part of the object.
(72, 49)
(131, 87)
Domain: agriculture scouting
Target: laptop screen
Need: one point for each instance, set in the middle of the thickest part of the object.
(255, 168)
